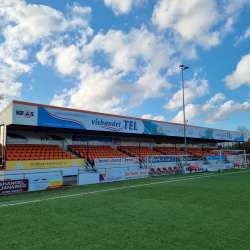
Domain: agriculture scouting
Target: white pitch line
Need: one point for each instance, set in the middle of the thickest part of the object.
(114, 189)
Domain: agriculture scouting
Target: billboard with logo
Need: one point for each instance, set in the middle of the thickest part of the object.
(25, 114)
(14, 186)
(49, 117)
(44, 183)
(114, 124)
(60, 163)
(135, 174)
(116, 161)
(110, 176)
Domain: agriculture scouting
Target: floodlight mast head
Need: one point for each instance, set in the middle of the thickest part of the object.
(183, 67)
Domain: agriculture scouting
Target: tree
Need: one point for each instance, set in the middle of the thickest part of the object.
(244, 129)
(245, 145)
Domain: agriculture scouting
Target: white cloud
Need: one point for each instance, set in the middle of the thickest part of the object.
(215, 110)
(159, 118)
(156, 118)
(200, 22)
(99, 90)
(228, 108)
(123, 50)
(26, 25)
(241, 75)
(244, 37)
(125, 55)
(66, 59)
(191, 20)
(149, 85)
(10, 90)
(193, 89)
(192, 110)
(122, 6)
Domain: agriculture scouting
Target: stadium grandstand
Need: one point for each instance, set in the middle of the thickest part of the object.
(38, 138)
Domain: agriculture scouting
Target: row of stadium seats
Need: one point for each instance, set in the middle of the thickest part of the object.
(169, 151)
(135, 151)
(15, 146)
(92, 152)
(181, 151)
(35, 152)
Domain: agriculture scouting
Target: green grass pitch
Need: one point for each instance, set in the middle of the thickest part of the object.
(196, 211)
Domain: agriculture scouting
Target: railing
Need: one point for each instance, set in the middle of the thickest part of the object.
(112, 168)
(26, 175)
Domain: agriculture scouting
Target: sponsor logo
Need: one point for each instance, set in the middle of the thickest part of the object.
(221, 135)
(190, 132)
(26, 113)
(116, 126)
(170, 130)
(160, 129)
(106, 177)
(204, 133)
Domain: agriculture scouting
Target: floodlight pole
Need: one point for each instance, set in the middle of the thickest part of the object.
(183, 67)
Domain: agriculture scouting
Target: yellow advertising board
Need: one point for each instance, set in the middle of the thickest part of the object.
(15, 165)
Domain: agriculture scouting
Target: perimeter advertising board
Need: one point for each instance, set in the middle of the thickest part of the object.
(15, 165)
(136, 174)
(156, 159)
(14, 186)
(47, 182)
(84, 179)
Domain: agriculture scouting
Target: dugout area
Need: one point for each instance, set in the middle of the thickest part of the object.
(39, 140)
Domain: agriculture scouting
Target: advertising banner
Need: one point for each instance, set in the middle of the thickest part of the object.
(14, 186)
(61, 118)
(14, 165)
(84, 179)
(215, 157)
(157, 128)
(161, 159)
(49, 182)
(114, 124)
(112, 176)
(136, 174)
(116, 161)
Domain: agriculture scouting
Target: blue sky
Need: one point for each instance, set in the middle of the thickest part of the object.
(123, 57)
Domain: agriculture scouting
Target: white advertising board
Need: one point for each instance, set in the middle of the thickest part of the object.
(84, 179)
(136, 174)
(48, 182)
